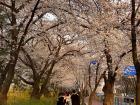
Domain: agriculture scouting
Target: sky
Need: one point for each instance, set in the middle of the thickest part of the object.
(49, 16)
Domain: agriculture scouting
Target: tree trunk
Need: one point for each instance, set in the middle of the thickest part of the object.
(7, 82)
(134, 49)
(9, 75)
(3, 99)
(82, 95)
(10, 67)
(47, 79)
(2, 78)
(92, 97)
(93, 93)
(43, 87)
(108, 93)
(138, 90)
(36, 91)
(109, 98)
(14, 53)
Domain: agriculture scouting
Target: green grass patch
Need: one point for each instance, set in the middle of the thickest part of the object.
(32, 102)
(23, 98)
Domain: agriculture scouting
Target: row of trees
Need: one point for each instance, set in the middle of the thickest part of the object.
(112, 22)
(32, 44)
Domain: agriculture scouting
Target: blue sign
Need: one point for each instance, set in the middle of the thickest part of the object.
(130, 71)
(93, 62)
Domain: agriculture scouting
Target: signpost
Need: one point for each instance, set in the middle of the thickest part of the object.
(93, 62)
(129, 71)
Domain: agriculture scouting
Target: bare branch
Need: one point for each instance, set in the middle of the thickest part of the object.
(138, 23)
(97, 6)
(29, 39)
(24, 62)
(6, 5)
(27, 26)
(24, 80)
(97, 70)
(44, 68)
(22, 22)
(31, 62)
(120, 58)
(55, 25)
(69, 53)
(39, 17)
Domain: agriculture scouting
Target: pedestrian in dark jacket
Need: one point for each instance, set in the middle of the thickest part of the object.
(61, 101)
(75, 98)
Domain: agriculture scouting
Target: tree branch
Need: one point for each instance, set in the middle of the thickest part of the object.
(31, 62)
(68, 53)
(6, 5)
(24, 80)
(138, 23)
(27, 26)
(24, 62)
(26, 41)
(44, 68)
(120, 58)
(39, 17)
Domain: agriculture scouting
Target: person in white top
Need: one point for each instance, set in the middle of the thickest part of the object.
(67, 97)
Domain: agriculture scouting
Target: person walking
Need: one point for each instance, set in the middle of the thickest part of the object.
(61, 101)
(67, 97)
(75, 98)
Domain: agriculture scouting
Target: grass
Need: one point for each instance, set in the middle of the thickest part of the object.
(23, 98)
(31, 102)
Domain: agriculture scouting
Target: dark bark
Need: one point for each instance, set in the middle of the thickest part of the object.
(37, 77)
(14, 51)
(2, 77)
(7, 82)
(13, 58)
(36, 91)
(10, 67)
(50, 70)
(47, 79)
(43, 75)
(109, 79)
(93, 93)
(29, 62)
(108, 92)
(134, 50)
(138, 90)
(89, 77)
(26, 81)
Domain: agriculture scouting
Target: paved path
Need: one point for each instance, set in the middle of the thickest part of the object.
(95, 102)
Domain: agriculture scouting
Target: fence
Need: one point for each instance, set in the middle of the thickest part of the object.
(120, 100)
